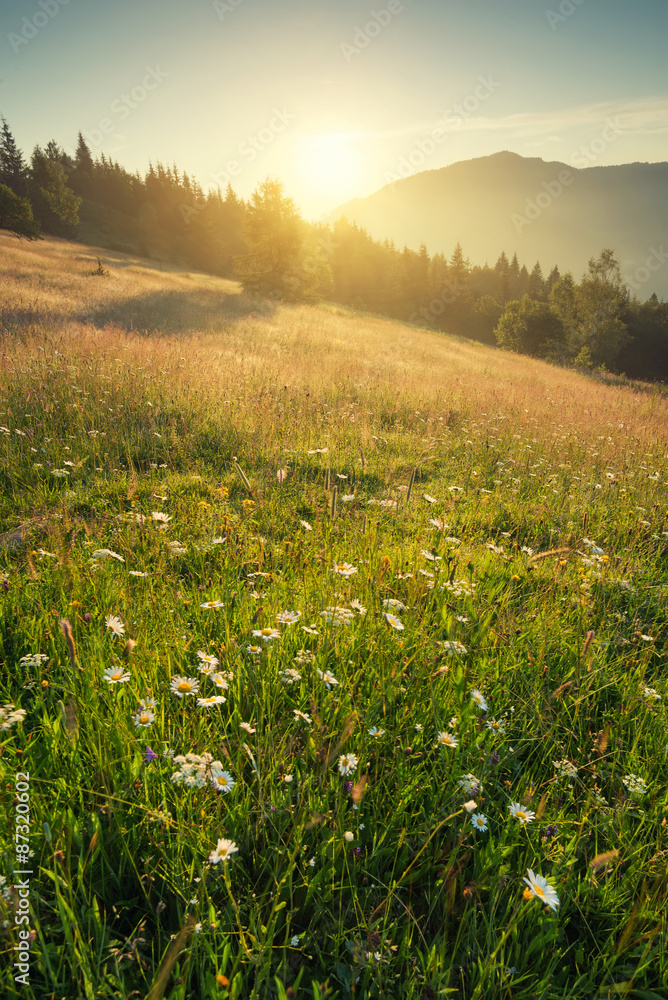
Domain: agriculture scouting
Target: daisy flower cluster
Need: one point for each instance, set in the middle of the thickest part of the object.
(197, 770)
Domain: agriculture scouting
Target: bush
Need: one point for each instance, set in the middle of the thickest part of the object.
(16, 214)
(530, 327)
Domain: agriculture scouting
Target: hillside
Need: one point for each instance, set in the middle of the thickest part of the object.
(47, 287)
(322, 637)
(484, 203)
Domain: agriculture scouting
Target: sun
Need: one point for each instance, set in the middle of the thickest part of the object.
(330, 166)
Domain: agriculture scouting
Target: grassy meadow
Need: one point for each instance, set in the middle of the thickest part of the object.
(334, 651)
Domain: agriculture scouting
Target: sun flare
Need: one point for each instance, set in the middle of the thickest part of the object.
(330, 165)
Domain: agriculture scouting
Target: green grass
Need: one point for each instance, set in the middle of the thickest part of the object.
(416, 904)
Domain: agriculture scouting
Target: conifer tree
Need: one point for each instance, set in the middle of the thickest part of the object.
(536, 289)
(13, 170)
(552, 279)
(81, 177)
(282, 262)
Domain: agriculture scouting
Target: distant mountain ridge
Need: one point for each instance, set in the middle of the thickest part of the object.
(546, 211)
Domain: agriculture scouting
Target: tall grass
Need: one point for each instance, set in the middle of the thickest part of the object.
(511, 513)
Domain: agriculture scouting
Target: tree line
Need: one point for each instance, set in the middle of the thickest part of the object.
(164, 214)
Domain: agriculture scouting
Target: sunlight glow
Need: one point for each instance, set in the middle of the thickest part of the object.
(329, 165)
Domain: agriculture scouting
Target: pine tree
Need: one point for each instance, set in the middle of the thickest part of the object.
(502, 265)
(13, 171)
(536, 289)
(552, 279)
(459, 265)
(283, 261)
(502, 269)
(56, 205)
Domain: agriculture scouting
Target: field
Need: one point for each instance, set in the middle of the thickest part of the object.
(334, 652)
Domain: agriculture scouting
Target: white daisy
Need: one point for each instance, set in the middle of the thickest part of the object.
(523, 815)
(221, 780)
(144, 717)
(479, 700)
(267, 634)
(207, 659)
(447, 740)
(479, 822)
(115, 675)
(347, 763)
(114, 624)
(344, 569)
(327, 678)
(184, 687)
(288, 617)
(538, 887)
(223, 851)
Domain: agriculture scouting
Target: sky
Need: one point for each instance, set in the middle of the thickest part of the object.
(336, 99)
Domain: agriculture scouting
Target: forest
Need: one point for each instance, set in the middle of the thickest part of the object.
(590, 322)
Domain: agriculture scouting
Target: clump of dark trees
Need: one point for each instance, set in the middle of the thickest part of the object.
(592, 324)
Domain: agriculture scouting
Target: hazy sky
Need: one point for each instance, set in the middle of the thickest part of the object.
(336, 98)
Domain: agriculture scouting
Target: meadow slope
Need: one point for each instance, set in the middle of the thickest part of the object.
(334, 652)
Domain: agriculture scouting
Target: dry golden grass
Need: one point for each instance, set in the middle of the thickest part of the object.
(47, 291)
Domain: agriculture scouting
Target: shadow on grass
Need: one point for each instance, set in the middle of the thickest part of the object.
(177, 311)
(172, 311)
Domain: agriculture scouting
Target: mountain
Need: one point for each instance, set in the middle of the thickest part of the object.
(550, 212)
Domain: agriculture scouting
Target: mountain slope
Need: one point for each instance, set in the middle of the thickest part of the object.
(543, 211)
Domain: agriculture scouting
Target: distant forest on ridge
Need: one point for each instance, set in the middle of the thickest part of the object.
(592, 321)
